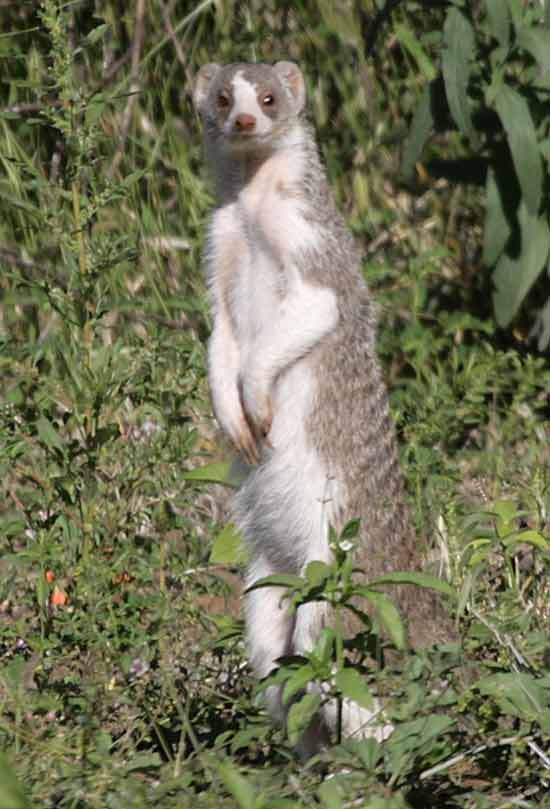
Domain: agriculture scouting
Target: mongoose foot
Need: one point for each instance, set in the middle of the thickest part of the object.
(258, 412)
(246, 443)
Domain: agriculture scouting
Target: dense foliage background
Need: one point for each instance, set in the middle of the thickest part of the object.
(123, 680)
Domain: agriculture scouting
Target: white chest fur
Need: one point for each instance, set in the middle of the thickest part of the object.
(254, 240)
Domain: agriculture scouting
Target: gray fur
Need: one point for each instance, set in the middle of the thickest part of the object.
(347, 424)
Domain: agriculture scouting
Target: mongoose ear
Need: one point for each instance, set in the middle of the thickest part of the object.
(293, 78)
(202, 83)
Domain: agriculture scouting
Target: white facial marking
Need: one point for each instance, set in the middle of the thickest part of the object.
(245, 101)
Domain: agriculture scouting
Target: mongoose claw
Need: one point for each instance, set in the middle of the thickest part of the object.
(261, 428)
(247, 445)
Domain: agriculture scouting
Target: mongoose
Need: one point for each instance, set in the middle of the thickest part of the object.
(294, 376)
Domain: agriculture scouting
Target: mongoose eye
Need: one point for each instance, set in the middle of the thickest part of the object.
(268, 100)
(223, 101)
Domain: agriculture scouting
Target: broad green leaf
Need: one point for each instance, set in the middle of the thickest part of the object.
(544, 148)
(368, 751)
(506, 511)
(416, 578)
(421, 127)
(388, 615)
(516, 12)
(351, 529)
(329, 795)
(514, 275)
(515, 116)
(517, 693)
(537, 42)
(325, 645)
(300, 715)
(498, 17)
(412, 44)
(419, 731)
(144, 761)
(243, 792)
(497, 228)
(527, 538)
(412, 739)
(277, 580)
(353, 686)
(97, 33)
(478, 556)
(11, 791)
(317, 572)
(48, 434)
(227, 548)
(459, 43)
(297, 682)
(211, 473)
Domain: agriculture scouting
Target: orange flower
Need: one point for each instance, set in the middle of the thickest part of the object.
(59, 598)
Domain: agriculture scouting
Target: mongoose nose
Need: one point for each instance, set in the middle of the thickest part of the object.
(245, 122)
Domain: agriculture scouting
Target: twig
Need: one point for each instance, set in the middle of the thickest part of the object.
(544, 757)
(520, 661)
(134, 87)
(519, 800)
(172, 34)
(473, 751)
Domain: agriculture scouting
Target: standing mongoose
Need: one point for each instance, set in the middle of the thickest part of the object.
(294, 377)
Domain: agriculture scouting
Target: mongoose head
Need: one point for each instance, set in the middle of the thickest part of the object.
(245, 107)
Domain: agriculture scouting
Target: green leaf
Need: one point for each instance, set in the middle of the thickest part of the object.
(243, 792)
(11, 791)
(415, 739)
(317, 572)
(516, 12)
(388, 614)
(144, 761)
(497, 228)
(49, 435)
(329, 795)
(416, 578)
(528, 538)
(459, 42)
(97, 33)
(421, 127)
(498, 17)
(211, 473)
(515, 275)
(515, 116)
(517, 693)
(297, 682)
(301, 714)
(506, 512)
(537, 42)
(277, 580)
(412, 44)
(325, 645)
(424, 728)
(353, 686)
(351, 529)
(227, 548)
(368, 751)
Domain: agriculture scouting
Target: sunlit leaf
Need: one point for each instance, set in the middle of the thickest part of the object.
(227, 548)
(459, 41)
(353, 686)
(301, 714)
